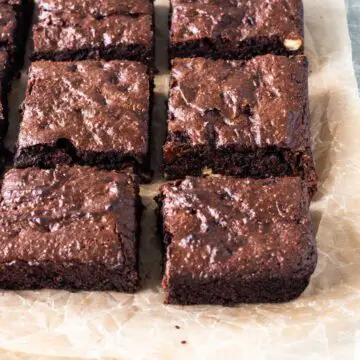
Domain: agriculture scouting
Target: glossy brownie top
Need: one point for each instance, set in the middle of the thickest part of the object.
(239, 104)
(236, 21)
(68, 214)
(221, 225)
(8, 25)
(97, 106)
(72, 25)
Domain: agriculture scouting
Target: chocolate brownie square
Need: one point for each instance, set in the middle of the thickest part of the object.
(88, 112)
(231, 241)
(236, 29)
(240, 118)
(72, 228)
(86, 29)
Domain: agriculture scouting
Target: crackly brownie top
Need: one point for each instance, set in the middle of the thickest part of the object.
(8, 23)
(253, 104)
(98, 106)
(219, 225)
(71, 214)
(236, 21)
(82, 24)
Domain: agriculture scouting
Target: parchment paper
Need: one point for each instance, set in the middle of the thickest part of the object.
(323, 324)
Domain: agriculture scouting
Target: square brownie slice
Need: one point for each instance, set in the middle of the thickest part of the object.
(236, 29)
(231, 241)
(88, 112)
(240, 118)
(72, 228)
(86, 29)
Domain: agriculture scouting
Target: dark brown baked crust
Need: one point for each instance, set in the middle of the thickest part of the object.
(232, 241)
(15, 17)
(8, 26)
(236, 29)
(69, 228)
(88, 112)
(4, 79)
(86, 29)
(243, 118)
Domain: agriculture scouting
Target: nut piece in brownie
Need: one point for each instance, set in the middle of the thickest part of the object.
(232, 241)
(236, 29)
(88, 112)
(241, 118)
(72, 228)
(87, 29)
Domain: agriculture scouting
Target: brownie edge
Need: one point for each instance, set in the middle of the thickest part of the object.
(229, 241)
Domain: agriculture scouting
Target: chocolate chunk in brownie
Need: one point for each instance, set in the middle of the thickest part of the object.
(88, 112)
(72, 228)
(236, 29)
(86, 29)
(231, 241)
(241, 118)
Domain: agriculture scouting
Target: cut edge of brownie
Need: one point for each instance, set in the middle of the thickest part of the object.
(261, 163)
(246, 50)
(63, 152)
(278, 290)
(123, 52)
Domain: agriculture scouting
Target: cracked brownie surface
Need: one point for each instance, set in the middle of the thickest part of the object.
(69, 227)
(90, 112)
(246, 118)
(76, 30)
(236, 29)
(233, 240)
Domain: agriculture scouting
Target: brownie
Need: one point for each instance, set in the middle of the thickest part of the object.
(88, 112)
(86, 29)
(4, 86)
(73, 228)
(231, 241)
(236, 28)
(240, 118)
(15, 17)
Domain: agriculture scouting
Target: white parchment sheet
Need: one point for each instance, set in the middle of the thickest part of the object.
(323, 324)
